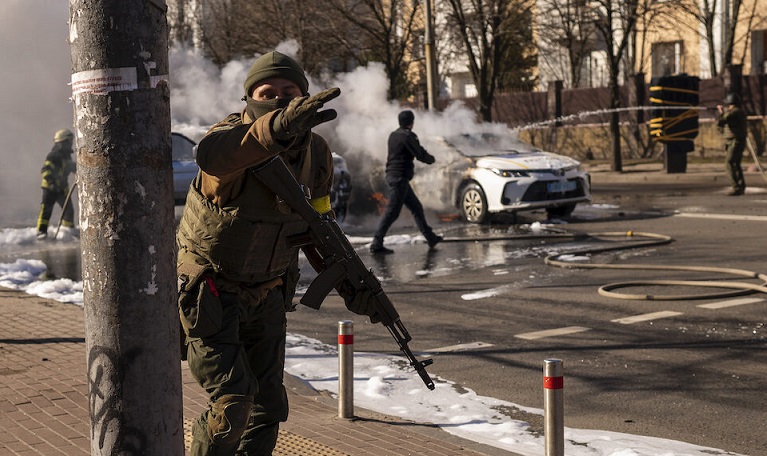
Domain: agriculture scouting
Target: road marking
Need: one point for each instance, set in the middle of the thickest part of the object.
(730, 303)
(489, 293)
(460, 347)
(552, 332)
(753, 218)
(646, 317)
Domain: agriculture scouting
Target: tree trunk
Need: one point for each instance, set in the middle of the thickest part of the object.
(485, 102)
(122, 112)
(616, 162)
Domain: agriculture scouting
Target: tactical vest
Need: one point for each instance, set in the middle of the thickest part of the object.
(246, 241)
(736, 124)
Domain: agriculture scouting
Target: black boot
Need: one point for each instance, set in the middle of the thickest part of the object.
(433, 240)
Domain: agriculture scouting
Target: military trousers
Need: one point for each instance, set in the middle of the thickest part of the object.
(241, 369)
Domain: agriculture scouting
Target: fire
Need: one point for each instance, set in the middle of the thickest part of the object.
(381, 202)
(448, 217)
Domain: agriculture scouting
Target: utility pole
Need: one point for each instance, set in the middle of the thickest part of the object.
(431, 59)
(122, 119)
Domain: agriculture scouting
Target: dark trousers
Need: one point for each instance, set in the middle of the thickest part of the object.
(734, 157)
(244, 359)
(401, 194)
(50, 199)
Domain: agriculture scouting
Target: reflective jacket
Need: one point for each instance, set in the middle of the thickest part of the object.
(234, 224)
(58, 164)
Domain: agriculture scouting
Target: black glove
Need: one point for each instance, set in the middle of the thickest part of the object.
(360, 301)
(302, 114)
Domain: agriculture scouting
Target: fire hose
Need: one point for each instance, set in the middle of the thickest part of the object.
(651, 239)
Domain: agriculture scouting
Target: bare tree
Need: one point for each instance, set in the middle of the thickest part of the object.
(240, 28)
(226, 32)
(708, 14)
(566, 26)
(730, 25)
(497, 38)
(179, 14)
(389, 29)
(271, 22)
(615, 21)
(657, 18)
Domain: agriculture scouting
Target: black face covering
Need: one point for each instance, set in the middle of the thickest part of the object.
(258, 108)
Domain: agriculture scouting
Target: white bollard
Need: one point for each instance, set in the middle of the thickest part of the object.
(553, 407)
(345, 369)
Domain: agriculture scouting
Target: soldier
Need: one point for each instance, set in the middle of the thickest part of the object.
(403, 148)
(237, 273)
(733, 122)
(55, 171)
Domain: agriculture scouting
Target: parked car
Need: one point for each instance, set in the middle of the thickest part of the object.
(342, 187)
(185, 170)
(184, 165)
(492, 174)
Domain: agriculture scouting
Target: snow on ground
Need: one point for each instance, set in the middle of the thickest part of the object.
(387, 384)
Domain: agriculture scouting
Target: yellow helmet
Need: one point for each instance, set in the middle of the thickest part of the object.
(62, 135)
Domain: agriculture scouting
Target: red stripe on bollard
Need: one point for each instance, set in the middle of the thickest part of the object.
(345, 339)
(553, 382)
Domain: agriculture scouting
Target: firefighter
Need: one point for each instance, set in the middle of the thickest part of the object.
(733, 123)
(58, 165)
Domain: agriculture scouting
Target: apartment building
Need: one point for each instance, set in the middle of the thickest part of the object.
(671, 37)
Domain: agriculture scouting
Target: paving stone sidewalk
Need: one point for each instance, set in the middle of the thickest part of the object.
(44, 405)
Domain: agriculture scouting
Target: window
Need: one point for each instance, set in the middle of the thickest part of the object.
(667, 59)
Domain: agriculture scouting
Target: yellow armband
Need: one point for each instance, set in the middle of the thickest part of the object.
(321, 204)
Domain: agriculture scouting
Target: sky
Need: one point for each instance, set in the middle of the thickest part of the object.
(383, 384)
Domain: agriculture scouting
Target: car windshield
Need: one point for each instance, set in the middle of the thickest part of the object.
(183, 148)
(480, 144)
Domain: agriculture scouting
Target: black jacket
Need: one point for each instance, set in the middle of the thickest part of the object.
(403, 148)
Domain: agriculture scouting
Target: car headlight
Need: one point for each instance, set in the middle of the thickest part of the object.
(576, 167)
(509, 172)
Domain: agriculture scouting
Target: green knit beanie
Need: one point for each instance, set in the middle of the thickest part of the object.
(276, 65)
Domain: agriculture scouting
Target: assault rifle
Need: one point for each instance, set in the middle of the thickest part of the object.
(338, 259)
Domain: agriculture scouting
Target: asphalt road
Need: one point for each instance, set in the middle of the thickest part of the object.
(478, 303)
(677, 370)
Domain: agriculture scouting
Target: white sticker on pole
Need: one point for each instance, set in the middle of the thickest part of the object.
(101, 82)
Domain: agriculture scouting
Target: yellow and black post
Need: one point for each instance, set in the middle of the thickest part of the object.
(675, 119)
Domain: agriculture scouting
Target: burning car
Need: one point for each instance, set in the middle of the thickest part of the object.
(490, 173)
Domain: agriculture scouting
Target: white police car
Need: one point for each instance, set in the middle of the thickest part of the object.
(492, 174)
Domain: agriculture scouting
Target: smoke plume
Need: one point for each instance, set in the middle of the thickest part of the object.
(36, 102)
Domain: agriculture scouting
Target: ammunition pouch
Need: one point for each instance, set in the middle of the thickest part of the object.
(199, 306)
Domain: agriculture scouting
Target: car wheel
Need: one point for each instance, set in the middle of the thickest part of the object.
(473, 204)
(560, 211)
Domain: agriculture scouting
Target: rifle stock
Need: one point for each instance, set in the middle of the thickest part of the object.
(339, 260)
